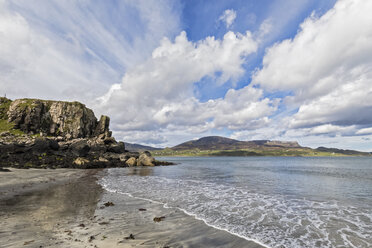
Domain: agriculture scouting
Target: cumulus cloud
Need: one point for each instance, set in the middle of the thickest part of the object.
(330, 130)
(159, 93)
(328, 68)
(228, 17)
(350, 103)
(146, 83)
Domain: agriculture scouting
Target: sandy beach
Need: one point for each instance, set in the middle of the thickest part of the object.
(66, 208)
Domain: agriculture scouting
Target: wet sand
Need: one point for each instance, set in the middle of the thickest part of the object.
(37, 204)
(65, 208)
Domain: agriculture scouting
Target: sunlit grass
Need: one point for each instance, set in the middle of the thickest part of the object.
(6, 126)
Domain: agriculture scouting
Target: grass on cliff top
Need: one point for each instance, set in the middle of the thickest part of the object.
(30, 101)
(6, 126)
(294, 152)
(4, 107)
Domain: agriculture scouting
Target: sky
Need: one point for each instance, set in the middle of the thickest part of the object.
(168, 71)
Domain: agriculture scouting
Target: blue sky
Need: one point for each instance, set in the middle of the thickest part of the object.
(201, 19)
(168, 71)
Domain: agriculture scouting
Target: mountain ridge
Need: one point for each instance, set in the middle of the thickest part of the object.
(139, 148)
(222, 146)
(223, 143)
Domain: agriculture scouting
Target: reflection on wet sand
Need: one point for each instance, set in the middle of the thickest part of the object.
(37, 215)
(140, 171)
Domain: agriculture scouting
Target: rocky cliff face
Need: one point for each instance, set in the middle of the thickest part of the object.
(70, 120)
(53, 134)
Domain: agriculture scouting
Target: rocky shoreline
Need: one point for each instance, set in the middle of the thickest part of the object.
(54, 134)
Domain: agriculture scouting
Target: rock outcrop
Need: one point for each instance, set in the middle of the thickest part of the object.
(54, 134)
(70, 120)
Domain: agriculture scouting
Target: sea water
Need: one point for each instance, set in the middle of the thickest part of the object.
(275, 201)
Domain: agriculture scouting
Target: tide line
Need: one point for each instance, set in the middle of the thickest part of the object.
(165, 205)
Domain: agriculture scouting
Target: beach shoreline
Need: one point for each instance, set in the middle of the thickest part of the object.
(66, 208)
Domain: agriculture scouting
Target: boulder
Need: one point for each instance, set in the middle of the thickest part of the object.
(132, 154)
(123, 157)
(80, 148)
(109, 140)
(53, 144)
(81, 161)
(145, 159)
(97, 145)
(102, 159)
(116, 148)
(132, 161)
(41, 145)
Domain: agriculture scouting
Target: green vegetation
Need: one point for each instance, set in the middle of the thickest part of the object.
(4, 106)
(276, 152)
(78, 104)
(59, 158)
(6, 126)
(28, 165)
(26, 103)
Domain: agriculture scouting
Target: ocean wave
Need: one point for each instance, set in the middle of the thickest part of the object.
(271, 220)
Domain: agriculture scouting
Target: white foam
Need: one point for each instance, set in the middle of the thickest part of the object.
(268, 220)
(165, 205)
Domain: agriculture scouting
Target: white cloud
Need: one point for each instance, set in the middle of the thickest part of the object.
(348, 104)
(330, 130)
(325, 135)
(228, 17)
(340, 139)
(159, 94)
(279, 15)
(260, 133)
(243, 109)
(265, 29)
(364, 131)
(329, 45)
(328, 68)
(72, 50)
(152, 138)
(66, 50)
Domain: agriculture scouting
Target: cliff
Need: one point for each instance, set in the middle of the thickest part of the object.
(70, 120)
(52, 134)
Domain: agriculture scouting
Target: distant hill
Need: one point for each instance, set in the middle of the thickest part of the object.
(139, 148)
(341, 151)
(221, 146)
(222, 143)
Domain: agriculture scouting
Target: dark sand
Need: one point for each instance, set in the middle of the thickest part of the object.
(65, 208)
